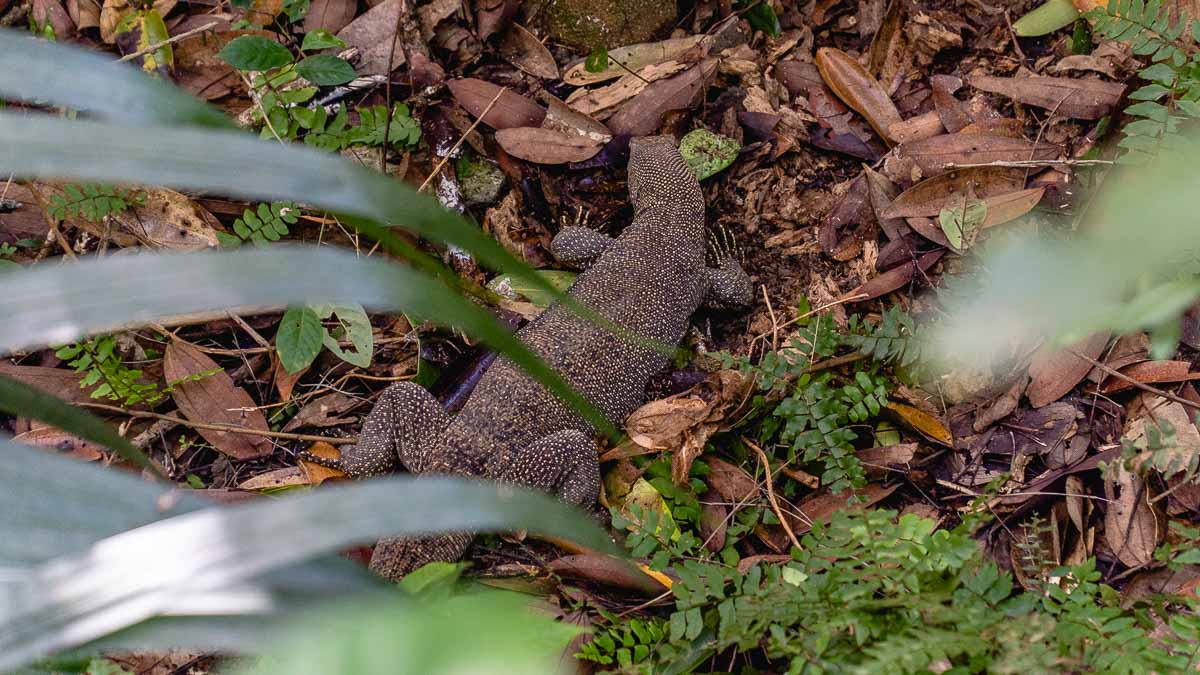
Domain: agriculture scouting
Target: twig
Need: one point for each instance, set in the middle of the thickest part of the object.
(258, 104)
(216, 426)
(762, 457)
(1034, 163)
(163, 43)
(1140, 385)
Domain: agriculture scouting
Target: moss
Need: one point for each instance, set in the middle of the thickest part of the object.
(587, 24)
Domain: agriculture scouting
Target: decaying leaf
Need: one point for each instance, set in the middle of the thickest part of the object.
(602, 101)
(315, 474)
(858, 89)
(168, 220)
(930, 196)
(509, 111)
(287, 477)
(936, 154)
(1132, 526)
(1149, 372)
(633, 58)
(731, 482)
(214, 399)
(561, 117)
(893, 279)
(545, 146)
(683, 423)
(607, 570)
(522, 49)
(1069, 97)
(928, 425)
(643, 113)
(1055, 371)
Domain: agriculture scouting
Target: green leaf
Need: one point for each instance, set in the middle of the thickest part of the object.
(17, 398)
(597, 60)
(708, 153)
(961, 223)
(1046, 18)
(254, 52)
(36, 70)
(355, 327)
(208, 554)
(325, 69)
(762, 17)
(299, 338)
(321, 39)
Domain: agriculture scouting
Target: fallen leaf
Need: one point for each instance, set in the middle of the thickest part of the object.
(930, 196)
(1074, 98)
(683, 423)
(606, 570)
(951, 111)
(858, 89)
(1008, 207)
(928, 425)
(522, 49)
(934, 155)
(85, 13)
(510, 110)
(819, 508)
(714, 520)
(915, 128)
(882, 192)
(52, 13)
(1055, 371)
(214, 399)
(879, 461)
(60, 383)
(731, 482)
(291, 476)
(323, 411)
(168, 220)
(1149, 372)
(642, 115)
(561, 117)
(373, 33)
(330, 15)
(1132, 528)
(51, 438)
(1144, 586)
(633, 58)
(602, 101)
(892, 279)
(544, 146)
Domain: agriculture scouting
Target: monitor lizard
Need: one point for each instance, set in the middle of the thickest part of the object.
(649, 280)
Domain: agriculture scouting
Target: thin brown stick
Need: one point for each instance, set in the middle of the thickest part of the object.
(163, 43)
(1034, 163)
(216, 426)
(1144, 387)
(762, 457)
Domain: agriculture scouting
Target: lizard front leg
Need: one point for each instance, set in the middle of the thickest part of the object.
(579, 246)
(563, 463)
(728, 285)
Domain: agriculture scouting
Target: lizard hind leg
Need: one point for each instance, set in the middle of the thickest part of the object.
(579, 246)
(563, 463)
(729, 287)
(403, 429)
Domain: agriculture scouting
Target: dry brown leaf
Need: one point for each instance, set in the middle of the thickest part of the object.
(522, 49)
(893, 279)
(926, 125)
(52, 13)
(858, 89)
(330, 15)
(168, 220)
(58, 382)
(643, 113)
(714, 520)
(929, 197)
(1132, 527)
(951, 111)
(373, 33)
(214, 399)
(1006, 208)
(634, 57)
(934, 155)
(290, 476)
(85, 13)
(731, 482)
(928, 425)
(323, 411)
(882, 192)
(879, 461)
(510, 110)
(1078, 99)
(819, 508)
(545, 146)
(560, 117)
(51, 438)
(1055, 371)
(683, 423)
(1149, 372)
(607, 570)
(602, 101)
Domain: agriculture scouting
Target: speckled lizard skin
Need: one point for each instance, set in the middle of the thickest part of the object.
(649, 280)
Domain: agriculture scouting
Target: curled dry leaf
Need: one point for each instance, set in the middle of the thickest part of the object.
(1055, 371)
(510, 110)
(1078, 99)
(291, 476)
(214, 399)
(926, 125)
(684, 422)
(934, 155)
(892, 279)
(544, 146)
(1149, 372)
(929, 426)
(1132, 526)
(951, 111)
(642, 115)
(858, 89)
(607, 570)
(930, 196)
(602, 101)
(561, 117)
(634, 58)
(168, 220)
(522, 49)
(323, 411)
